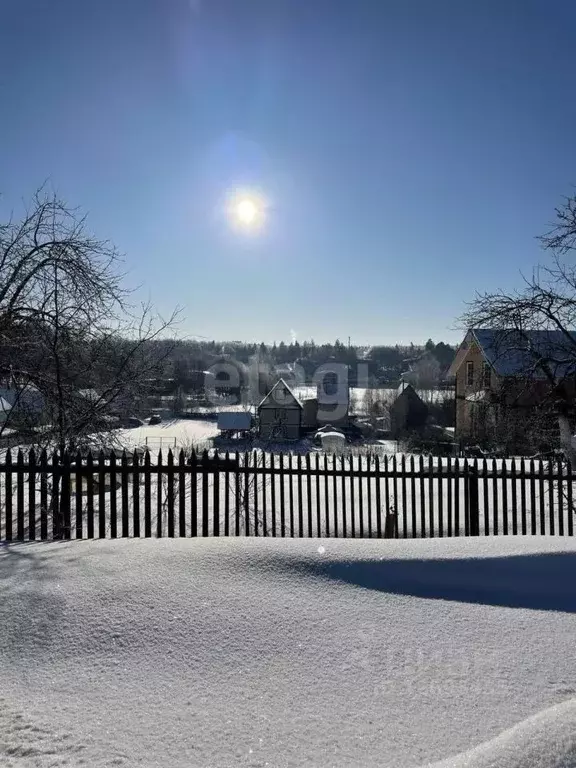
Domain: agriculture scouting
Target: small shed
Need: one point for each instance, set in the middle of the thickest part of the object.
(234, 423)
(333, 441)
(280, 414)
(408, 412)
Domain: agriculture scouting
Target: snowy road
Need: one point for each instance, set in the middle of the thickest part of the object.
(248, 652)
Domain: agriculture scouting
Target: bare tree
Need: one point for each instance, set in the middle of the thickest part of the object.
(68, 330)
(69, 335)
(425, 373)
(545, 363)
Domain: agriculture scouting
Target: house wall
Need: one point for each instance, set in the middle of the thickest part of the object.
(407, 412)
(273, 416)
(466, 423)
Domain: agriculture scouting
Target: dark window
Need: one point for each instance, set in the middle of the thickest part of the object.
(470, 373)
(487, 375)
(330, 383)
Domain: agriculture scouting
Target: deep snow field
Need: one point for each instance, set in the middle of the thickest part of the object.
(245, 652)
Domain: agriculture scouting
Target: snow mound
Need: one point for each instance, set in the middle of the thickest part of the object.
(546, 740)
(188, 653)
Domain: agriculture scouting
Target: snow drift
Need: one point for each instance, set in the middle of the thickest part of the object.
(222, 652)
(546, 740)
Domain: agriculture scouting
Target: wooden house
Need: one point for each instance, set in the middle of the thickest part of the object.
(408, 412)
(280, 414)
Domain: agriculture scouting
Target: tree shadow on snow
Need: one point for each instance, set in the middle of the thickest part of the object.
(545, 582)
(29, 609)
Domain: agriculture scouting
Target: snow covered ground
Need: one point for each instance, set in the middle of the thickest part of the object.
(250, 652)
(170, 433)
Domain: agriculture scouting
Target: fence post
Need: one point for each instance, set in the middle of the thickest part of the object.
(390, 526)
(473, 507)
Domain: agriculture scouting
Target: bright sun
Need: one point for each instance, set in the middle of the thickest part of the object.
(246, 211)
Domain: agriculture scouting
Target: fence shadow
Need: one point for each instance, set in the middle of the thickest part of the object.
(543, 582)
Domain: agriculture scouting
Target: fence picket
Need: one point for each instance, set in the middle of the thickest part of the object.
(560, 497)
(514, 498)
(533, 523)
(291, 494)
(523, 496)
(136, 494)
(344, 505)
(552, 522)
(101, 496)
(395, 492)
(159, 503)
(379, 497)
(404, 500)
(431, 496)
(440, 500)
(227, 496)
(570, 470)
(318, 517)
(20, 496)
(89, 496)
(449, 505)
(32, 495)
(485, 497)
(170, 493)
(504, 498)
(264, 497)
(352, 497)
(79, 482)
(147, 496)
(273, 492)
(423, 526)
(124, 495)
(193, 494)
(205, 501)
(182, 494)
(216, 501)
(43, 495)
(413, 504)
(326, 498)
(389, 508)
(282, 477)
(495, 514)
(113, 497)
(300, 498)
(55, 500)
(541, 499)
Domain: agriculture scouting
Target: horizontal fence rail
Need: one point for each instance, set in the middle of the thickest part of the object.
(259, 494)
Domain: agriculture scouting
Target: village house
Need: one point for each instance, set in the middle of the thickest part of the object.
(502, 372)
(283, 416)
(280, 414)
(408, 412)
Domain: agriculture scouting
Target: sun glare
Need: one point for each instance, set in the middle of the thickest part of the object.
(246, 212)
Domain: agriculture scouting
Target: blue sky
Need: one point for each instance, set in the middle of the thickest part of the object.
(409, 151)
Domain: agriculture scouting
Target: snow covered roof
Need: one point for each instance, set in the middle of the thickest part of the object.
(238, 421)
(274, 394)
(5, 405)
(512, 353)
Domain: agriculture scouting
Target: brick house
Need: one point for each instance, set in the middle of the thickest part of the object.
(503, 372)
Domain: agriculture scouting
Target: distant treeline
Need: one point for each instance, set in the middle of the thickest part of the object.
(185, 360)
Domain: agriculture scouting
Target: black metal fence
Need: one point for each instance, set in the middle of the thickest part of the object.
(259, 494)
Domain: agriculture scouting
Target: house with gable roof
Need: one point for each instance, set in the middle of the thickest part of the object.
(495, 369)
(280, 414)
